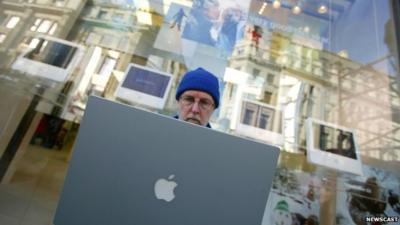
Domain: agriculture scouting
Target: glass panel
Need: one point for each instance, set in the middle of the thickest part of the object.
(2, 37)
(45, 26)
(13, 22)
(332, 60)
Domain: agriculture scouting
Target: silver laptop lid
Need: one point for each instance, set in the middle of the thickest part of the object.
(126, 159)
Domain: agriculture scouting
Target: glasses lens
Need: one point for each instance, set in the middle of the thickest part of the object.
(203, 103)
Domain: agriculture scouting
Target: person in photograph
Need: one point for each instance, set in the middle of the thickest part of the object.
(366, 202)
(256, 33)
(201, 20)
(197, 96)
(232, 28)
(394, 201)
(177, 19)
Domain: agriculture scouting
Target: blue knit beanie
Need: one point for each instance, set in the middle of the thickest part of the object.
(199, 80)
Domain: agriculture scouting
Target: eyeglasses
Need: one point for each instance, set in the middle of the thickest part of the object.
(204, 104)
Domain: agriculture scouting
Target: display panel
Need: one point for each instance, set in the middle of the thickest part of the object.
(332, 146)
(260, 121)
(145, 86)
(376, 194)
(49, 57)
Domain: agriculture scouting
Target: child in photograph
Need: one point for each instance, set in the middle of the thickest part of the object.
(177, 19)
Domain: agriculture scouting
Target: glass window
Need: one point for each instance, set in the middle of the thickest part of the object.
(263, 121)
(36, 24)
(248, 116)
(33, 43)
(2, 37)
(44, 26)
(270, 78)
(102, 15)
(107, 66)
(118, 17)
(256, 72)
(93, 38)
(53, 28)
(13, 22)
(59, 2)
(232, 91)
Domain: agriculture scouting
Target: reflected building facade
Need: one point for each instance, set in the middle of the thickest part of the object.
(335, 61)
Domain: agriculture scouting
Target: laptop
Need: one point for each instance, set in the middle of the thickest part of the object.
(130, 166)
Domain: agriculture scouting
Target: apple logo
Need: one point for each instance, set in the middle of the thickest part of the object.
(164, 189)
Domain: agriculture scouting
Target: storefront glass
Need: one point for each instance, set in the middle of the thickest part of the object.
(279, 63)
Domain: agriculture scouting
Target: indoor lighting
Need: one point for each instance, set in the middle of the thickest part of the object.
(322, 9)
(344, 54)
(296, 9)
(276, 4)
(306, 29)
(262, 8)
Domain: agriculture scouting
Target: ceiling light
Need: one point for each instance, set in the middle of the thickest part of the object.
(276, 4)
(322, 9)
(344, 54)
(262, 8)
(296, 9)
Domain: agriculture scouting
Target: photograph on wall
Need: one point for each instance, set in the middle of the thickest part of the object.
(294, 199)
(260, 121)
(169, 36)
(217, 23)
(374, 194)
(332, 146)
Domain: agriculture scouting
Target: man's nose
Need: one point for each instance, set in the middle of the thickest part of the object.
(195, 107)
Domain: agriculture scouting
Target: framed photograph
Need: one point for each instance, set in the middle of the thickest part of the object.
(50, 58)
(145, 86)
(332, 146)
(219, 24)
(260, 121)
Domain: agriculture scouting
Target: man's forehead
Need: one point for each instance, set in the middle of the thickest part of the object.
(198, 94)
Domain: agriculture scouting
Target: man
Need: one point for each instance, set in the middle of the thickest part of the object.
(197, 96)
(201, 20)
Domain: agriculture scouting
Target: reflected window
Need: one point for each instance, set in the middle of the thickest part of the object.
(53, 28)
(267, 97)
(256, 72)
(2, 37)
(123, 43)
(118, 17)
(270, 79)
(33, 43)
(59, 2)
(44, 27)
(263, 121)
(107, 66)
(102, 15)
(110, 41)
(36, 24)
(93, 38)
(13, 22)
(232, 91)
(248, 116)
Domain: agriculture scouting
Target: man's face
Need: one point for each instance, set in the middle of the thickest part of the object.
(212, 11)
(196, 107)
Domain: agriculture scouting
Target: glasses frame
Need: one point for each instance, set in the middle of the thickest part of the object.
(203, 103)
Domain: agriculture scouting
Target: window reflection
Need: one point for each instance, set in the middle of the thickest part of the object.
(12, 22)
